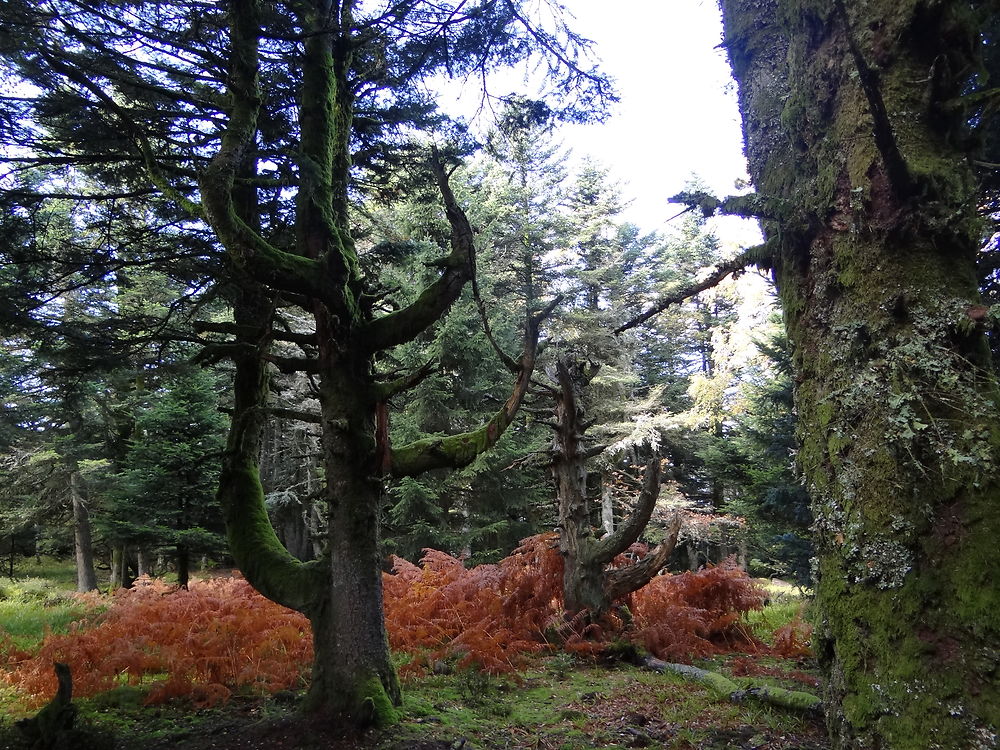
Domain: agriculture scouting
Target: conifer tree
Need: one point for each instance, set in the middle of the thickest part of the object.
(255, 119)
(164, 495)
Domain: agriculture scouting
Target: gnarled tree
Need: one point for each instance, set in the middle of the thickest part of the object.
(590, 582)
(254, 118)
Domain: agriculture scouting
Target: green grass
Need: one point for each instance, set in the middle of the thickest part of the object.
(786, 603)
(27, 622)
(31, 605)
(58, 573)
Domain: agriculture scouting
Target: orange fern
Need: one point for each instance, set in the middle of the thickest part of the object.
(218, 637)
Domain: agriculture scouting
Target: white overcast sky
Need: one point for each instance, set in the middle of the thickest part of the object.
(678, 112)
(677, 116)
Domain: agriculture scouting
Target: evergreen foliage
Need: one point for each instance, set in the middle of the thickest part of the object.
(164, 496)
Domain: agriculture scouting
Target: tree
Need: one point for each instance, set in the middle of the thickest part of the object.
(164, 496)
(589, 581)
(257, 119)
(856, 118)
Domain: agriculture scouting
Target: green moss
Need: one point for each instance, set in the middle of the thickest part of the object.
(825, 412)
(255, 546)
(377, 704)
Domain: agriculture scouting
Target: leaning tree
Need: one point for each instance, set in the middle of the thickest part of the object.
(857, 118)
(262, 122)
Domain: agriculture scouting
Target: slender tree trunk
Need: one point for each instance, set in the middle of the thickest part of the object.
(852, 126)
(115, 564)
(120, 567)
(86, 576)
(145, 564)
(183, 558)
(607, 510)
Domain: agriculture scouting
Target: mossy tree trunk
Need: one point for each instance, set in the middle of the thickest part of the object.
(853, 133)
(341, 591)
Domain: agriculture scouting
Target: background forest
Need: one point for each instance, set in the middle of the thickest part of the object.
(112, 435)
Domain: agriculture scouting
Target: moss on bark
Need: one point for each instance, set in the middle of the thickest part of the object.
(896, 396)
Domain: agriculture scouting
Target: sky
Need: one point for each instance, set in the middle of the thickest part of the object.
(677, 116)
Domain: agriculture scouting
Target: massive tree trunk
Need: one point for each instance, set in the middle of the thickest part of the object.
(86, 576)
(853, 133)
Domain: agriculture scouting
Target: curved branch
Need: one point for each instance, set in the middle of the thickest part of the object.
(255, 547)
(759, 255)
(459, 267)
(633, 577)
(384, 391)
(456, 451)
(628, 531)
(247, 249)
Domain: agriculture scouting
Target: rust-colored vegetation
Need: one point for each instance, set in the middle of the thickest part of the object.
(217, 637)
(492, 615)
(221, 636)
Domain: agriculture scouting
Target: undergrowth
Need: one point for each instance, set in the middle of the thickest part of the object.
(492, 616)
(220, 637)
(30, 608)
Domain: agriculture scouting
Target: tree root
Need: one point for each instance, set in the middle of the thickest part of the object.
(723, 686)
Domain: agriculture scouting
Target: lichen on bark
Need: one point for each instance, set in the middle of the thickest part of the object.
(848, 132)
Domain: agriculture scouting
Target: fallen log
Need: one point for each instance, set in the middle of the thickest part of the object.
(726, 688)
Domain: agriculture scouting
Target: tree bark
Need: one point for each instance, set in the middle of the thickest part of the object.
(145, 565)
(588, 583)
(86, 575)
(182, 555)
(853, 134)
(121, 577)
(607, 510)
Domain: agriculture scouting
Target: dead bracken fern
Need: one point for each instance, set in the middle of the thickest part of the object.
(792, 640)
(694, 615)
(489, 616)
(218, 637)
(222, 637)
(492, 614)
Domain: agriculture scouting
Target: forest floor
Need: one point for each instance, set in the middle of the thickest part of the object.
(559, 704)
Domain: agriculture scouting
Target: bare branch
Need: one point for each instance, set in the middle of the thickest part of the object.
(628, 579)
(757, 255)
